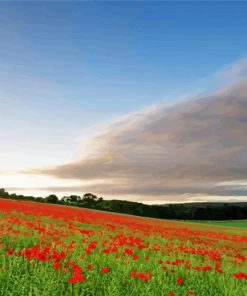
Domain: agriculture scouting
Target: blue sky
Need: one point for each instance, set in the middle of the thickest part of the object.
(67, 66)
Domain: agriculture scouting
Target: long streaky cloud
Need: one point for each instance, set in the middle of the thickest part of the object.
(187, 149)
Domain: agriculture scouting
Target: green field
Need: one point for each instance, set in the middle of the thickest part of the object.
(226, 223)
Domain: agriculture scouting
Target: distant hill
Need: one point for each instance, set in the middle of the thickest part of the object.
(209, 204)
(184, 211)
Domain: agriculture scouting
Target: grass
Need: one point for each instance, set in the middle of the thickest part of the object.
(226, 223)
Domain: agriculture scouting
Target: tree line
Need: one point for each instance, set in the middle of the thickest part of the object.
(186, 211)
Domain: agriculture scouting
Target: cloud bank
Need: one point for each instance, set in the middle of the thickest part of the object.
(195, 148)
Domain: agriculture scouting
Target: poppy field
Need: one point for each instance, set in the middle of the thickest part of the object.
(56, 250)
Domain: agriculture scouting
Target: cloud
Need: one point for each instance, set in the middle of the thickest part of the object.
(165, 152)
(236, 70)
(155, 190)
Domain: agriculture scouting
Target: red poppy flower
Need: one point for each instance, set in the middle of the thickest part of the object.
(56, 265)
(9, 252)
(133, 273)
(77, 278)
(105, 269)
(135, 257)
(179, 281)
(240, 275)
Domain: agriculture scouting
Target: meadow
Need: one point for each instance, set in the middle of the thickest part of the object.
(225, 223)
(55, 250)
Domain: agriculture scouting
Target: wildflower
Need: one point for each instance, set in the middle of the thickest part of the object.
(89, 267)
(133, 273)
(141, 276)
(240, 275)
(70, 262)
(88, 252)
(190, 292)
(77, 278)
(144, 277)
(105, 269)
(9, 252)
(128, 251)
(56, 265)
(135, 257)
(179, 281)
(77, 269)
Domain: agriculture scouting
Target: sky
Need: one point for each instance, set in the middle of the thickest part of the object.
(143, 101)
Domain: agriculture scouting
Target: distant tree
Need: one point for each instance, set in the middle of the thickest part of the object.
(3, 193)
(90, 196)
(52, 198)
(39, 199)
(64, 199)
(13, 195)
(73, 198)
